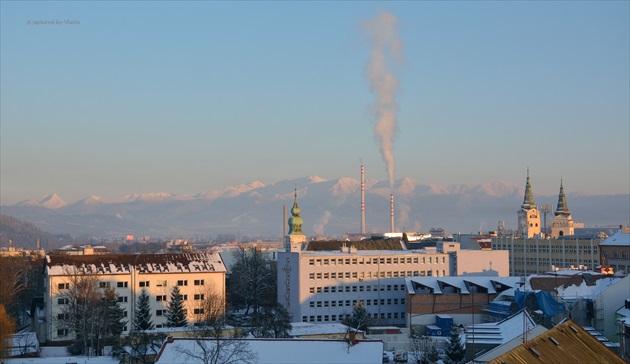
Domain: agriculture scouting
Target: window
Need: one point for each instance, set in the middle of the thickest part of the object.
(182, 283)
(62, 316)
(160, 312)
(62, 332)
(122, 284)
(144, 284)
(184, 297)
(122, 299)
(311, 262)
(311, 290)
(62, 301)
(103, 284)
(199, 282)
(160, 298)
(160, 283)
(319, 303)
(198, 311)
(199, 296)
(311, 276)
(159, 326)
(124, 313)
(63, 286)
(312, 304)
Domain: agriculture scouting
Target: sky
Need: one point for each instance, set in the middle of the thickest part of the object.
(116, 98)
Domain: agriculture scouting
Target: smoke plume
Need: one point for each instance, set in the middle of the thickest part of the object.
(319, 227)
(386, 52)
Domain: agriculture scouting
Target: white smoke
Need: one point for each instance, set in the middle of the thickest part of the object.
(386, 51)
(319, 227)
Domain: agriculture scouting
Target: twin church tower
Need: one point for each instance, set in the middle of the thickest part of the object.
(529, 216)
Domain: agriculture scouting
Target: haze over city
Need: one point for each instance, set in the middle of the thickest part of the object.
(114, 98)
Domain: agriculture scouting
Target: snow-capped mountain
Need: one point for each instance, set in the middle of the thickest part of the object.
(52, 201)
(330, 207)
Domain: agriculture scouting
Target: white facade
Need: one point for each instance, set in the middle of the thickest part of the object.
(129, 275)
(323, 286)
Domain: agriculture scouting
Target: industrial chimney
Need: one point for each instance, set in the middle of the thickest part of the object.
(391, 210)
(362, 200)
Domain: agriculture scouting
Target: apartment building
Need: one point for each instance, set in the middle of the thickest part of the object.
(615, 251)
(129, 274)
(539, 255)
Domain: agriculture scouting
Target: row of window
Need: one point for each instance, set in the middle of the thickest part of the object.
(351, 303)
(397, 260)
(164, 283)
(333, 318)
(160, 283)
(360, 288)
(615, 254)
(368, 275)
(160, 298)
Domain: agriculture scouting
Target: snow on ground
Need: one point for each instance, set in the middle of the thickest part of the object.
(59, 355)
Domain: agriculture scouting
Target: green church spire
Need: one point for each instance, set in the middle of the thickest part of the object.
(295, 221)
(528, 200)
(563, 208)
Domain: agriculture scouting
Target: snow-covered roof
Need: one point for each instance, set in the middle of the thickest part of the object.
(286, 351)
(60, 264)
(584, 290)
(617, 239)
(461, 283)
(306, 328)
(499, 333)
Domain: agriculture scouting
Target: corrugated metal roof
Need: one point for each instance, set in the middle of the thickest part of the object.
(565, 343)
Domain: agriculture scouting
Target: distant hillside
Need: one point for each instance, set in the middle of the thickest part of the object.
(25, 234)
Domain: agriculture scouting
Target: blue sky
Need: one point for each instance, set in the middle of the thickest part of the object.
(185, 97)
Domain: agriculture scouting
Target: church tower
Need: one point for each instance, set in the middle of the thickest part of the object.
(294, 239)
(528, 215)
(562, 224)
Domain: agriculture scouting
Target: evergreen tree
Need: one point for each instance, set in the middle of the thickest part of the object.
(360, 319)
(433, 355)
(142, 321)
(176, 317)
(114, 316)
(455, 350)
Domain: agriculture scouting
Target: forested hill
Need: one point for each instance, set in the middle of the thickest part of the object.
(25, 235)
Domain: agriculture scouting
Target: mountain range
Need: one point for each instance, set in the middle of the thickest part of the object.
(328, 207)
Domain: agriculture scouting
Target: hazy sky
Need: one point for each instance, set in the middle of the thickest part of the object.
(187, 97)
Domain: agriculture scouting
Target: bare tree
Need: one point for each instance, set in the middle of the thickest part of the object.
(422, 350)
(91, 312)
(214, 342)
(13, 271)
(252, 278)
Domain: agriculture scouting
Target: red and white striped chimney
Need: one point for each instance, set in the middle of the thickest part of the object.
(391, 210)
